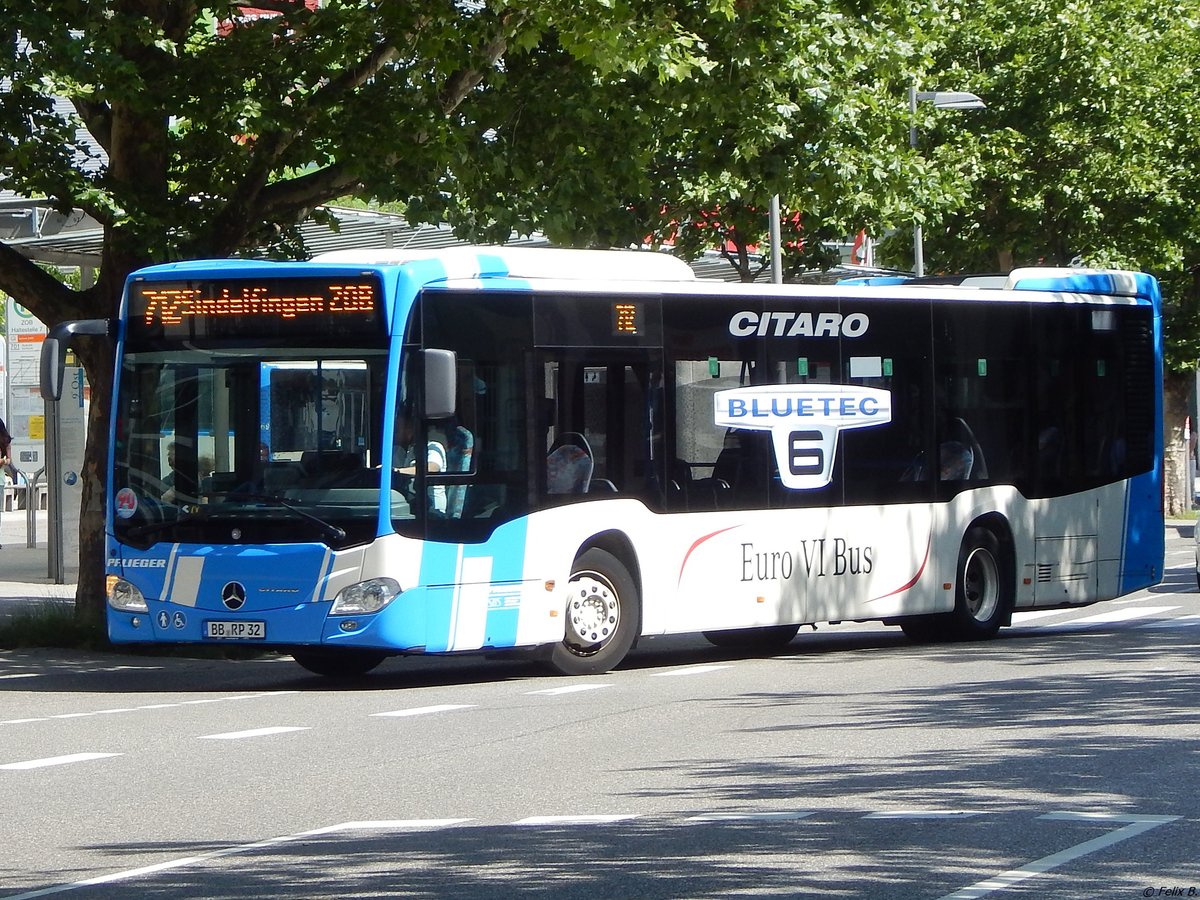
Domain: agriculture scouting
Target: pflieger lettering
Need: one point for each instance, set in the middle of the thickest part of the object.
(137, 563)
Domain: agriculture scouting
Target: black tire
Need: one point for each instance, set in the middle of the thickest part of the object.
(982, 589)
(603, 614)
(338, 663)
(765, 639)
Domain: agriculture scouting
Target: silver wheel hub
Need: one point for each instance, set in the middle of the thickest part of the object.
(593, 611)
(981, 584)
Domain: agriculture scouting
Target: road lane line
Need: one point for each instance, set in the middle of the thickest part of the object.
(252, 733)
(1134, 826)
(390, 825)
(57, 760)
(542, 821)
(569, 689)
(23, 675)
(922, 814)
(783, 816)
(1020, 618)
(106, 712)
(168, 865)
(425, 710)
(1124, 615)
(1111, 617)
(1181, 622)
(690, 670)
(237, 697)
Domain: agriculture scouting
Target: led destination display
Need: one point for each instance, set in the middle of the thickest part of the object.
(282, 307)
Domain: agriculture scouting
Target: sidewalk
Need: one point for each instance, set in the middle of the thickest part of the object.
(24, 578)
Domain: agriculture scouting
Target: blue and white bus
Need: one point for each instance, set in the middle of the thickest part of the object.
(381, 453)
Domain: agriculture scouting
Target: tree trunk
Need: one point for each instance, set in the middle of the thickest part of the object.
(90, 594)
(1177, 490)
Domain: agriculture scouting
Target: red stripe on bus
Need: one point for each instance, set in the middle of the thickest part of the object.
(915, 578)
(692, 549)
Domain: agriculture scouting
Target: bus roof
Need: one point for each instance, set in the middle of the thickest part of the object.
(529, 263)
(519, 268)
(1108, 282)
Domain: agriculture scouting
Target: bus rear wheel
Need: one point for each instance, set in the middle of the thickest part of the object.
(337, 663)
(983, 592)
(603, 612)
(758, 640)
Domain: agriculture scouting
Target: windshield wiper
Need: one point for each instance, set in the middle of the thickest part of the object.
(138, 531)
(327, 528)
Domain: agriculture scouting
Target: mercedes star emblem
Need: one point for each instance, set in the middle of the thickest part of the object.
(233, 595)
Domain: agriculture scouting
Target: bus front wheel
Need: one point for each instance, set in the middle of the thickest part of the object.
(982, 593)
(337, 663)
(603, 611)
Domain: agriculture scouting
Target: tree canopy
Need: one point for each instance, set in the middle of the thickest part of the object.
(1086, 150)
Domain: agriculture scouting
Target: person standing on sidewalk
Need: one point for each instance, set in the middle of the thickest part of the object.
(5, 460)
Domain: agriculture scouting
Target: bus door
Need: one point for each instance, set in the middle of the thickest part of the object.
(601, 416)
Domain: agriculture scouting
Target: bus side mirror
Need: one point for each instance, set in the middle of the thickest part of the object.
(441, 383)
(54, 352)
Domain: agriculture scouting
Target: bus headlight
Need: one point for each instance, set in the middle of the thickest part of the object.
(124, 596)
(367, 596)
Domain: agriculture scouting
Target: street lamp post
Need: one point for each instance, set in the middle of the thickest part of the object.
(940, 100)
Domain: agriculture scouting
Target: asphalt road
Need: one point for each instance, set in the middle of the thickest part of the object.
(1061, 759)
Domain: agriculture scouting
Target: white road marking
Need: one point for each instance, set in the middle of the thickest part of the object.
(1111, 617)
(390, 825)
(426, 710)
(690, 670)
(573, 820)
(185, 861)
(252, 733)
(1135, 825)
(1181, 622)
(22, 675)
(1020, 618)
(785, 816)
(570, 689)
(922, 814)
(57, 760)
(1124, 615)
(106, 712)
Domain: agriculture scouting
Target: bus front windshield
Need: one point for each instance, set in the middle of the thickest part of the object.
(251, 445)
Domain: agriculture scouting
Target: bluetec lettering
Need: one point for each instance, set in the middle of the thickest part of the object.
(801, 407)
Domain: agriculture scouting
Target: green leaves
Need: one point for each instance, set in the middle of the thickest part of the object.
(1079, 158)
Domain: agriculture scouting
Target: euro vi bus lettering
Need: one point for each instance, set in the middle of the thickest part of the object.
(816, 558)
